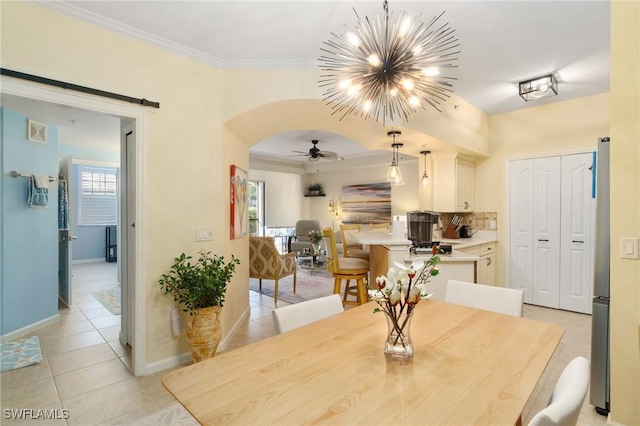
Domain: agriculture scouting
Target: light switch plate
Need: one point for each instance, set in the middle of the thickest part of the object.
(204, 234)
(629, 248)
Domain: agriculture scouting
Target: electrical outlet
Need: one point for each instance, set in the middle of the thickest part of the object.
(492, 224)
(204, 234)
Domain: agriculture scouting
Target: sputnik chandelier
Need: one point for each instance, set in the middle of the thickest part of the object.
(388, 68)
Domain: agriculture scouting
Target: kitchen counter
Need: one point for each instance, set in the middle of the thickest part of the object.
(455, 256)
(380, 238)
(456, 266)
(481, 237)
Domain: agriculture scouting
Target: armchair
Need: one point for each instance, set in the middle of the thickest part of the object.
(266, 263)
(300, 240)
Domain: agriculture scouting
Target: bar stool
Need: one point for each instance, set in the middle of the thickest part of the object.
(350, 248)
(346, 269)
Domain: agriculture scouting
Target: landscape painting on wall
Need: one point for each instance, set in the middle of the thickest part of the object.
(366, 203)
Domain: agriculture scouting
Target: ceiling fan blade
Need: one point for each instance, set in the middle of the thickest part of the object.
(330, 155)
(301, 152)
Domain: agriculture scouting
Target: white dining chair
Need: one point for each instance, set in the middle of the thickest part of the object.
(293, 316)
(567, 397)
(497, 299)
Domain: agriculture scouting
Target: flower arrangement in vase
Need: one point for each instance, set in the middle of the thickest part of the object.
(397, 295)
(315, 237)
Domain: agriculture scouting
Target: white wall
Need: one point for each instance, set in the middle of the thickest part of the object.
(403, 198)
(283, 199)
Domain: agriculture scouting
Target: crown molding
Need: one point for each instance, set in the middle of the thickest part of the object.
(75, 12)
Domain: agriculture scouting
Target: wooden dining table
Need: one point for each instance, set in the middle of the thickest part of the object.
(471, 367)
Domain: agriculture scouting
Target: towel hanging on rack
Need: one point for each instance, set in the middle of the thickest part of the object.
(38, 191)
(63, 205)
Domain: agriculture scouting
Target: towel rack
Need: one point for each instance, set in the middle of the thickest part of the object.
(15, 174)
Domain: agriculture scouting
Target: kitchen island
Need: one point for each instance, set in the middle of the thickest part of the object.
(386, 248)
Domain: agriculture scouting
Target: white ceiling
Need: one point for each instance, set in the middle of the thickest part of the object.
(501, 42)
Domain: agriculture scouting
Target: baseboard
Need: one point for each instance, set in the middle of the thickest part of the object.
(229, 337)
(100, 259)
(166, 363)
(29, 329)
(185, 357)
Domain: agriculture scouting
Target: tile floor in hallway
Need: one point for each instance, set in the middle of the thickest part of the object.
(84, 369)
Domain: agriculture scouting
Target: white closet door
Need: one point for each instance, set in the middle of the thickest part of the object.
(576, 256)
(521, 227)
(546, 232)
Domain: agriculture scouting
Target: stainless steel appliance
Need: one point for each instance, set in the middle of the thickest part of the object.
(420, 228)
(600, 376)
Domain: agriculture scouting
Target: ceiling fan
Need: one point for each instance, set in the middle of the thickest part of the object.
(315, 154)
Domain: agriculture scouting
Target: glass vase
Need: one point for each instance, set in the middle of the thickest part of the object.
(399, 335)
(316, 248)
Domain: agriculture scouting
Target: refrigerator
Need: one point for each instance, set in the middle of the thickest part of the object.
(600, 376)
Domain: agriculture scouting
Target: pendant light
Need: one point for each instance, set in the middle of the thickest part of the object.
(425, 177)
(394, 175)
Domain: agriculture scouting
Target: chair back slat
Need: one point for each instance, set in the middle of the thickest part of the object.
(332, 251)
(497, 299)
(303, 313)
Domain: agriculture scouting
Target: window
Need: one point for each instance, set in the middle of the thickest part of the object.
(97, 200)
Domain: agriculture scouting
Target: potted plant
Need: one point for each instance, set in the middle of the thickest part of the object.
(200, 288)
(315, 189)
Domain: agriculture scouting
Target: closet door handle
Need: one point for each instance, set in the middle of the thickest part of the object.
(543, 241)
(577, 241)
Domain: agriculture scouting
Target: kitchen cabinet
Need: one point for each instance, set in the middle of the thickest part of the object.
(486, 266)
(551, 213)
(453, 184)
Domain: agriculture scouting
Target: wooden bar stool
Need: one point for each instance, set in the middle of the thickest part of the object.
(346, 269)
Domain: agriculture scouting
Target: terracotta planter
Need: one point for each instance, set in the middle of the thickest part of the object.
(203, 333)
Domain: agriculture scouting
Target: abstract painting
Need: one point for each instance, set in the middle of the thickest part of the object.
(239, 202)
(366, 203)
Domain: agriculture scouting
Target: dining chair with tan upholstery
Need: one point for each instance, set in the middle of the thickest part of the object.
(293, 316)
(266, 263)
(346, 269)
(497, 299)
(350, 247)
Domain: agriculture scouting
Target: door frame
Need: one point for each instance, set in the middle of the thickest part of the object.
(138, 114)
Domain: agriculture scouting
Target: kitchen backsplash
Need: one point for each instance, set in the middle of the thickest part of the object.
(478, 221)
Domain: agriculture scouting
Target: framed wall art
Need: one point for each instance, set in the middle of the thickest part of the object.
(366, 203)
(239, 202)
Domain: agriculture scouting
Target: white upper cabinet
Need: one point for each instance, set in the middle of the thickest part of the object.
(453, 184)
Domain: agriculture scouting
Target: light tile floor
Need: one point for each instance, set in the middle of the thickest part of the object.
(85, 371)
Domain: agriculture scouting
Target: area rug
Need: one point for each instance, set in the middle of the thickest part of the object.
(20, 353)
(110, 299)
(310, 285)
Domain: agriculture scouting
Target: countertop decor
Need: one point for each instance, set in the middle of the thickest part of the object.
(397, 294)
